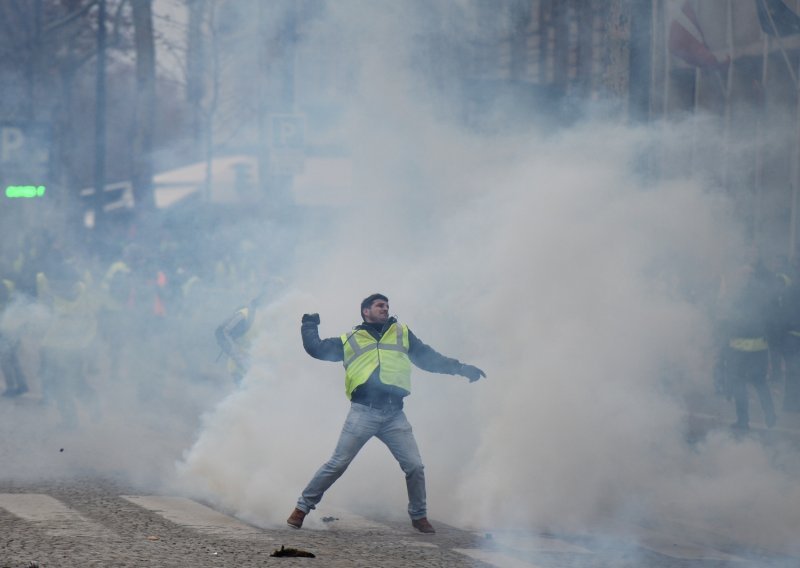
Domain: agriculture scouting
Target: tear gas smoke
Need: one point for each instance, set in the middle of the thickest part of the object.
(551, 258)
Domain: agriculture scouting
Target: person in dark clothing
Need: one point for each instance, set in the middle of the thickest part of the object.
(780, 271)
(377, 357)
(790, 310)
(750, 313)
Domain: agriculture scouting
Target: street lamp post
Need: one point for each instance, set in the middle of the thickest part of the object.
(100, 118)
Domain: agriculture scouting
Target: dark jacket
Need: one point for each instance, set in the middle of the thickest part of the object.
(755, 310)
(374, 391)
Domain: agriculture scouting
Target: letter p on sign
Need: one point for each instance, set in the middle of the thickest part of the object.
(11, 142)
(288, 131)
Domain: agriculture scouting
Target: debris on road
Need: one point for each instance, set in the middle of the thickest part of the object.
(292, 553)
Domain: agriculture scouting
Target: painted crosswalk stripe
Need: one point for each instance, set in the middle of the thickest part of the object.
(194, 515)
(679, 540)
(53, 516)
(342, 519)
(684, 551)
(497, 559)
(536, 543)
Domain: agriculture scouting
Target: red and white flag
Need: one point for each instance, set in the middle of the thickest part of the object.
(685, 38)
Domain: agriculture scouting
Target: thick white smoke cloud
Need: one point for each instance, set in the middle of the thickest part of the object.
(130, 428)
(549, 260)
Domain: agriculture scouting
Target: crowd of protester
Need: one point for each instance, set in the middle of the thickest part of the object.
(131, 310)
(123, 313)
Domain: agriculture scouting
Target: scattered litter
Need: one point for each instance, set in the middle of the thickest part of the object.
(33, 564)
(292, 553)
(329, 519)
(153, 537)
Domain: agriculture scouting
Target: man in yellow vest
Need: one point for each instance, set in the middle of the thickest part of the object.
(66, 343)
(377, 357)
(234, 336)
(747, 311)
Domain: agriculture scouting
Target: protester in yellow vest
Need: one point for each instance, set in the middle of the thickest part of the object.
(748, 309)
(16, 383)
(377, 357)
(234, 336)
(65, 345)
(113, 315)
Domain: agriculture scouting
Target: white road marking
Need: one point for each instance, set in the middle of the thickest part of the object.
(55, 518)
(675, 540)
(494, 558)
(536, 543)
(192, 514)
(716, 537)
(344, 520)
(668, 547)
(655, 541)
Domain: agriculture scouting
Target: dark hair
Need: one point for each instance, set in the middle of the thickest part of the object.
(366, 303)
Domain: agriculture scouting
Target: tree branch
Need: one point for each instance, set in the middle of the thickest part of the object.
(69, 18)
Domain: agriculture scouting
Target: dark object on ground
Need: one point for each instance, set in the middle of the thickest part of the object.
(292, 553)
(329, 519)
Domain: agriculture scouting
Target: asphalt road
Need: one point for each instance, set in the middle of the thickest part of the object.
(100, 522)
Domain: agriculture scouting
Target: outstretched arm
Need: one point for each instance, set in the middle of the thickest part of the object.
(330, 349)
(427, 358)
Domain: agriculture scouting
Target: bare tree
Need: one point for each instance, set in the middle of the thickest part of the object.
(196, 67)
(142, 167)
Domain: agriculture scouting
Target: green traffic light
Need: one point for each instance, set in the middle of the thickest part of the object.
(25, 191)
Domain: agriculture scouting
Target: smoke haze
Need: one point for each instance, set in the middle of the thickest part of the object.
(552, 258)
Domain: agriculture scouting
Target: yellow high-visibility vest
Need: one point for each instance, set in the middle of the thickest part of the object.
(5, 299)
(749, 344)
(244, 339)
(73, 325)
(363, 353)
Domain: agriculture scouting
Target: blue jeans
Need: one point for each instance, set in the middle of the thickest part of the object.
(392, 428)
